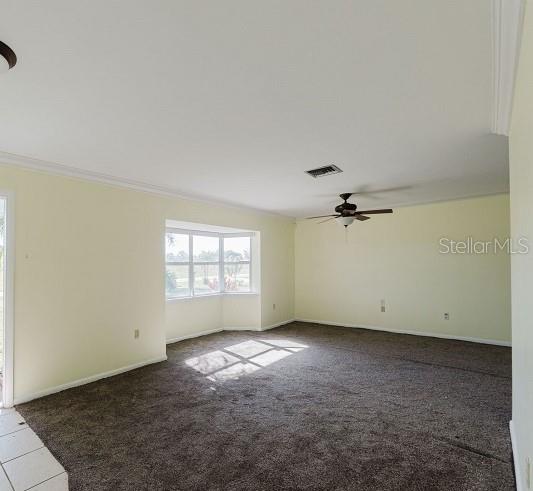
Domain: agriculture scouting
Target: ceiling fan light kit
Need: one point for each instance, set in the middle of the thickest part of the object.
(346, 213)
(344, 221)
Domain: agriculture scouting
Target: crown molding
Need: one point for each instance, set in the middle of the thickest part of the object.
(56, 169)
(12, 160)
(507, 17)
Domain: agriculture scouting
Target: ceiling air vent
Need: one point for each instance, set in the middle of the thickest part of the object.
(327, 170)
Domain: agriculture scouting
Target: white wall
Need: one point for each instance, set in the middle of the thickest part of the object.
(521, 171)
(89, 269)
(342, 279)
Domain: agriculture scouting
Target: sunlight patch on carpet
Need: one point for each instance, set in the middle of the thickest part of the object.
(242, 359)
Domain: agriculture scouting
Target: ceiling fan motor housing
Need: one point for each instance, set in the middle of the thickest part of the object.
(346, 208)
(347, 212)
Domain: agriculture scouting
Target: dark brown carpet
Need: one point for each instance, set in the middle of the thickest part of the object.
(355, 410)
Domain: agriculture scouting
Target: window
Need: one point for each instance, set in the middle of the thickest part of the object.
(237, 264)
(178, 268)
(206, 263)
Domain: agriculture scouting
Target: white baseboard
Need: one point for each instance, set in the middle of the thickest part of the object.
(241, 328)
(259, 329)
(516, 457)
(117, 371)
(86, 380)
(278, 324)
(194, 335)
(231, 328)
(413, 333)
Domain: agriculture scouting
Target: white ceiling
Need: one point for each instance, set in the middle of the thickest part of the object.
(233, 100)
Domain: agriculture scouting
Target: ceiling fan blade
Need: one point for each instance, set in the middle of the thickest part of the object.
(374, 212)
(321, 216)
(326, 220)
(361, 218)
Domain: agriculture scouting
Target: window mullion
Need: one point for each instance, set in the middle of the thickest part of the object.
(221, 280)
(191, 267)
(250, 265)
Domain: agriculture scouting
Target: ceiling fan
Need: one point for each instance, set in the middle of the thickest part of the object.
(346, 212)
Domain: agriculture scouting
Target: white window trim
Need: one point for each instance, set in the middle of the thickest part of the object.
(221, 263)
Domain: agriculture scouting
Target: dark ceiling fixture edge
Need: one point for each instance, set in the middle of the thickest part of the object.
(8, 54)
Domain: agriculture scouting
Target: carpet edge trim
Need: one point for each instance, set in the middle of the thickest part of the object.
(86, 380)
(259, 329)
(277, 324)
(241, 328)
(193, 335)
(229, 329)
(413, 333)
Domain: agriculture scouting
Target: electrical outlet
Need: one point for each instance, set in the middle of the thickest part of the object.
(446, 316)
(136, 334)
(273, 306)
(528, 473)
(383, 306)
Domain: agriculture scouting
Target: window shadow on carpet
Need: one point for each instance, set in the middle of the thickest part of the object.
(233, 362)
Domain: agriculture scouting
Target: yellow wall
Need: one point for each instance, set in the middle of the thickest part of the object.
(396, 258)
(241, 312)
(89, 269)
(187, 317)
(521, 171)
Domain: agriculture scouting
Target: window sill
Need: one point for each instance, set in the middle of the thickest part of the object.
(211, 295)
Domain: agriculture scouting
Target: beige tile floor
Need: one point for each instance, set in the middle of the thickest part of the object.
(25, 463)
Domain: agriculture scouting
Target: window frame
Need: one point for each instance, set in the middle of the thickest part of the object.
(221, 262)
(179, 263)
